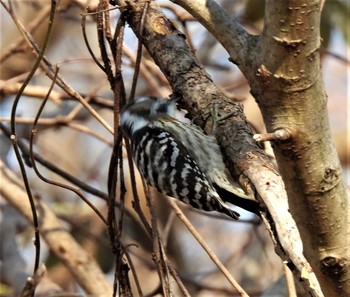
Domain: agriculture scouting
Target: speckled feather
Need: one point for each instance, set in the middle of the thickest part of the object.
(157, 151)
(179, 159)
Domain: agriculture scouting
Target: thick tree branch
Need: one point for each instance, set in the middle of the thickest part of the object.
(226, 29)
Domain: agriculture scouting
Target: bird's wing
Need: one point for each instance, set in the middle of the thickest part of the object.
(167, 165)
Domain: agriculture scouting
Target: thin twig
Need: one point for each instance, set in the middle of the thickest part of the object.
(83, 27)
(139, 53)
(61, 121)
(72, 179)
(32, 27)
(167, 228)
(210, 253)
(136, 200)
(133, 270)
(13, 125)
(158, 251)
(102, 19)
(178, 280)
(26, 155)
(10, 87)
(33, 282)
(137, 207)
(84, 268)
(153, 77)
(61, 185)
(47, 67)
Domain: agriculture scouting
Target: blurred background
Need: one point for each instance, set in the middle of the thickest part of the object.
(72, 139)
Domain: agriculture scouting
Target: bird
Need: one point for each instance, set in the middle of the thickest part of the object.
(179, 159)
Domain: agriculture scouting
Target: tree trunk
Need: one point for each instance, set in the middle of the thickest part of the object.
(290, 92)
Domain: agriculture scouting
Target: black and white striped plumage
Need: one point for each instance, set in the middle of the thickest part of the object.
(178, 159)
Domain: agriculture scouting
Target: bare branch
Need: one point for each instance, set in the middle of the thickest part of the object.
(228, 31)
(61, 243)
(37, 91)
(210, 253)
(47, 67)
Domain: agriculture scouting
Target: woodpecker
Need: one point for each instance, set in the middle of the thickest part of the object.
(179, 159)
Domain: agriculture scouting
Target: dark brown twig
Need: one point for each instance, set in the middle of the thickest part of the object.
(13, 126)
(83, 27)
(139, 53)
(103, 27)
(158, 251)
(61, 185)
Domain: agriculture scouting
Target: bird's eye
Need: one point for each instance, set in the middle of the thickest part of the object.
(145, 113)
(162, 108)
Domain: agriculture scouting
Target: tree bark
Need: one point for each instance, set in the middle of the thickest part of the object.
(292, 97)
(283, 69)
